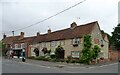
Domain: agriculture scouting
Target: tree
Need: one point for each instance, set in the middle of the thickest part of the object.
(116, 37)
(36, 50)
(59, 52)
(89, 53)
(95, 52)
(86, 52)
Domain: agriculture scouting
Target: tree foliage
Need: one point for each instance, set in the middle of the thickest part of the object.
(36, 50)
(116, 37)
(59, 52)
(89, 53)
(46, 51)
(95, 52)
(4, 49)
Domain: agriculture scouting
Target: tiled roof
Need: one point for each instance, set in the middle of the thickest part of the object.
(9, 40)
(26, 39)
(68, 33)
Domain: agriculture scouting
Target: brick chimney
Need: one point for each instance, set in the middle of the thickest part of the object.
(73, 25)
(4, 36)
(49, 30)
(22, 35)
(38, 33)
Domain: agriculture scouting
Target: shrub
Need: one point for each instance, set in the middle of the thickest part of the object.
(69, 57)
(59, 52)
(36, 50)
(32, 57)
(40, 58)
(47, 58)
(52, 56)
(73, 61)
(67, 61)
(61, 60)
(53, 60)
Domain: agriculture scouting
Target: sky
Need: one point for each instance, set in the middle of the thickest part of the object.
(17, 14)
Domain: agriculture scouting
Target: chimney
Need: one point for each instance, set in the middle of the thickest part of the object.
(49, 30)
(38, 33)
(73, 25)
(4, 36)
(22, 33)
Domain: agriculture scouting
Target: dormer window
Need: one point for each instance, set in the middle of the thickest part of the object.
(75, 42)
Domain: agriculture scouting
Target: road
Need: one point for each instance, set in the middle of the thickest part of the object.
(11, 66)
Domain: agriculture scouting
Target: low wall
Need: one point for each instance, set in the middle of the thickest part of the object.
(114, 55)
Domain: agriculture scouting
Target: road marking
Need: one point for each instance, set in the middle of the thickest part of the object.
(94, 66)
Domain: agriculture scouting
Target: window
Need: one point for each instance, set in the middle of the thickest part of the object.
(16, 45)
(19, 45)
(76, 41)
(43, 44)
(53, 43)
(75, 54)
(22, 45)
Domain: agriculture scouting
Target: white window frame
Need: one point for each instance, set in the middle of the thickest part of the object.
(19, 45)
(53, 43)
(16, 45)
(74, 55)
(76, 41)
(22, 45)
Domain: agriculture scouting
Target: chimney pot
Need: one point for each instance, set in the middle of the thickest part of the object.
(38, 33)
(22, 33)
(73, 25)
(49, 30)
(4, 36)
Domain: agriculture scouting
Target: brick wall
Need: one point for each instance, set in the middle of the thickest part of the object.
(114, 55)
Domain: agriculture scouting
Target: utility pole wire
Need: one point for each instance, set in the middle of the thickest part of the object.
(50, 16)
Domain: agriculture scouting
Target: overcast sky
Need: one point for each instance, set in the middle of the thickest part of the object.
(18, 14)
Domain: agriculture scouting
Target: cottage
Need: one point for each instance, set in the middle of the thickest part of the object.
(8, 41)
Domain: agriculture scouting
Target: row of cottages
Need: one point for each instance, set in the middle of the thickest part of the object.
(71, 39)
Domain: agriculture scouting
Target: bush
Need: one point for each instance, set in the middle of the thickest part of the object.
(73, 61)
(67, 61)
(53, 60)
(32, 57)
(39, 58)
(52, 56)
(47, 58)
(61, 60)
(59, 52)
